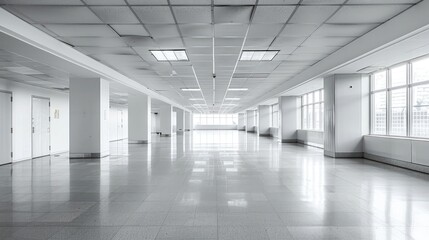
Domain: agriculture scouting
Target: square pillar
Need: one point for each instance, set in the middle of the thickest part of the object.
(346, 113)
(139, 118)
(241, 122)
(166, 120)
(180, 120)
(251, 120)
(89, 117)
(289, 118)
(188, 121)
(264, 120)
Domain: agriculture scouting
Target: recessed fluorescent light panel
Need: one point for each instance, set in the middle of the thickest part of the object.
(190, 89)
(196, 99)
(258, 55)
(170, 55)
(238, 89)
(232, 99)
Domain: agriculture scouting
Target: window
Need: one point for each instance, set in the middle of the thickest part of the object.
(312, 110)
(275, 115)
(400, 100)
(215, 119)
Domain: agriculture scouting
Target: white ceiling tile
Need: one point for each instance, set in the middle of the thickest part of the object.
(288, 41)
(190, 2)
(264, 30)
(105, 50)
(230, 30)
(298, 30)
(327, 41)
(232, 14)
(41, 2)
(154, 14)
(96, 42)
(58, 14)
(139, 41)
(261, 43)
(199, 50)
(196, 30)
(105, 2)
(323, 1)
(235, 2)
(316, 50)
(169, 43)
(148, 2)
(187, 14)
(313, 14)
(72, 30)
(198, 42)
(115, 14)
(163, 30)
(382, 1)
(272, 14)
(338, 30)
(127, 29)
(373, 14)
(228, 42)
(265, 2)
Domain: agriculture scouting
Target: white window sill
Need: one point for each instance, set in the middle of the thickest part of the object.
(398, 137)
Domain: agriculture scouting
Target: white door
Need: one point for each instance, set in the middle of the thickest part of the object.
(41, 127)
(5, 128)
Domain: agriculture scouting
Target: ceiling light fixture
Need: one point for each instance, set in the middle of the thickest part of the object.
(258, 55)
(196, 99)
(190, 89)
(170, 55)
(238, 89)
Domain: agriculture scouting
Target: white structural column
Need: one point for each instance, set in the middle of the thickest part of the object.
(251, 118)
(180, 120)
(346, 114)
(89, 117)
(289, 118)
(166, 119)
(139, 118)
(264, 121)
(188, 121)
(241, 122)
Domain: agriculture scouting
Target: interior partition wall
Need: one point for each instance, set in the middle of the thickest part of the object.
(5, 127)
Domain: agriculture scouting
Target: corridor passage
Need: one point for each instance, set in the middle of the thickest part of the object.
(212, 185)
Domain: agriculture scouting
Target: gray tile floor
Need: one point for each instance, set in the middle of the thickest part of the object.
(212, 185)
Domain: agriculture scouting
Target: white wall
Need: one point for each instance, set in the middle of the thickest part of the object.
(118, 122)
(289, 118)
(21, 118)
(215, 127)
(250, 120)
(264, 120)
(312, 138)
(241, 121)
(155, 123)
(139, 116)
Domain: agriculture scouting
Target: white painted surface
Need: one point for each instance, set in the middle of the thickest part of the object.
(5, 128)
(139, 118)
(264, 119)
(312, 138)
(394, 148)
(89, 116)
(156, 122)
(188, 121)
(250, 120)
(40, 124)
(289, 117)
(241, 121)
(346, 112)
(274, 132)
(180, 120)
(118, 122)
(166, 119)
(21, 118)
(420, 152)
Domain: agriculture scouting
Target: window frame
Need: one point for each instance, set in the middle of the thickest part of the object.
(307, 105)
(409, 85)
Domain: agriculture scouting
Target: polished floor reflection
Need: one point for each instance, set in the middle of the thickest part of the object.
(212, 185)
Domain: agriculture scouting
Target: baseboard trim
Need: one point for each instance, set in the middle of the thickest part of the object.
(87, 155)
(311, 144)
(397, 163)
(165, 135)
(264, 135)
(289, 140)
(138, 141)
(343, 154)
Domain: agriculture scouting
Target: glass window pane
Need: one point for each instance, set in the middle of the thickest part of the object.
(316, 96)
(304, 117)
(398, 107)
(420, 115)
(316, 117)
(216, 119)
(304, 99)
(322, 94)
(399, 75)
(379, 80)
(379, 113)
(310, 98)
(203, 120)
(420, 70)
(322, 118)
(209, 119)
(310, 117)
